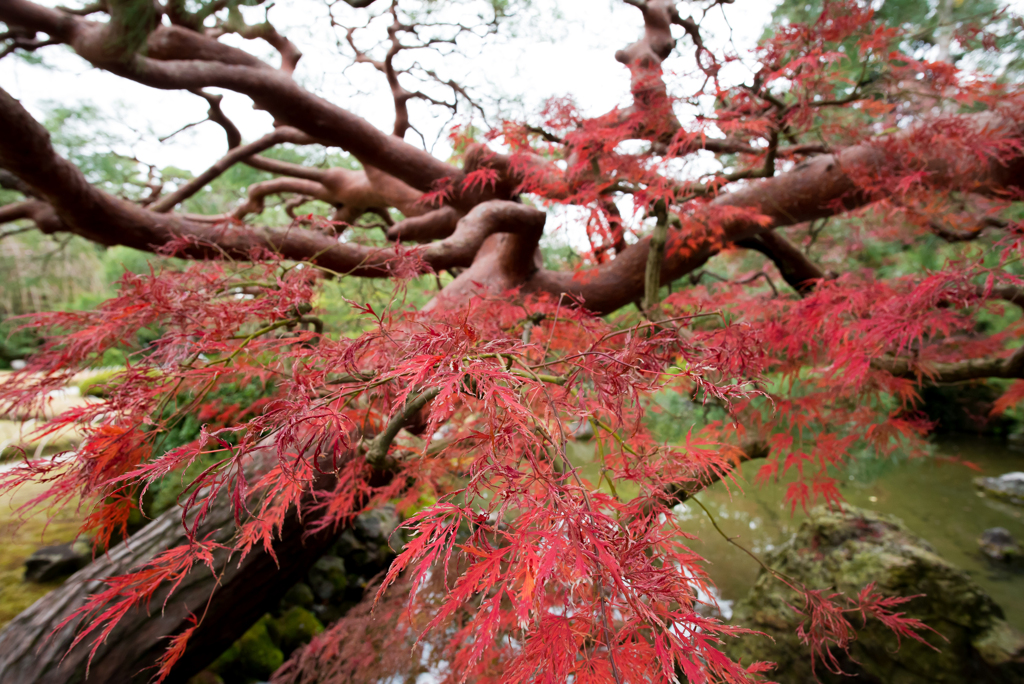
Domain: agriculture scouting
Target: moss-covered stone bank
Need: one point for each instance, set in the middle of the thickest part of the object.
(335, 583)
(846, 550)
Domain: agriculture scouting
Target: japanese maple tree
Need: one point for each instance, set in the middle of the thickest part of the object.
(521, 564)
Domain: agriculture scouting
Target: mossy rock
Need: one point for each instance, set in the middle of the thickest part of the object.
(295, 628)
(206, 677)
(254, 657)
(847, 549)
(328, 579)
(299, 595)
(1008, 487)
(367, 545)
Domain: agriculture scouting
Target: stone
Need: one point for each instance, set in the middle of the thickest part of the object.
(52, 563)
(299, 595)
(847, 549)
(377, 525)
(295, 628)
(206, 677)
(372, 541)
(999, 545)
(327, 578)
(1008, 487)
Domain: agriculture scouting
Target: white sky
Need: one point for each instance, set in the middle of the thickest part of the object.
(572, 56)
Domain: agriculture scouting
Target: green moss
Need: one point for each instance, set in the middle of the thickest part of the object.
(328, 579)
(22, 535)
(299, 595)
(254, 657)
(999, 644)
(296, 628)
(16, 595)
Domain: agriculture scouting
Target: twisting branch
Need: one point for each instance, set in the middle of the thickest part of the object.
(796, 268)
(434, 225)
(956, 371)
(278, 136)
(74, 205)
(234, 23)
(40, 213)
(216, 115)
(377, 451)
(258, 192)
(399, 93)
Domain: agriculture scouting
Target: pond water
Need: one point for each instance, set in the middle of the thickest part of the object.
(935, 497)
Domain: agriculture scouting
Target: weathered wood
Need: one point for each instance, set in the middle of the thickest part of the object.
(30, 655)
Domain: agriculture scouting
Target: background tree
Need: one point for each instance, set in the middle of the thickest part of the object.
(846, 145)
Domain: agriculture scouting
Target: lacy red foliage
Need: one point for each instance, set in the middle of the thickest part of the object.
(524, 543)
(521, 564)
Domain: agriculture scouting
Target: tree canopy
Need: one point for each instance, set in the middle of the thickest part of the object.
(801, 238)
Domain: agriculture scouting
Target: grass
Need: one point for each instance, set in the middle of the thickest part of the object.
(21, 533)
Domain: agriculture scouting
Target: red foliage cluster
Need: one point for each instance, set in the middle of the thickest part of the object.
(526, 544)
(530, 566)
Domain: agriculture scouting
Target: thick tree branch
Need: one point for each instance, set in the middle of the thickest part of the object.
(800, 272)
(353, 192)
(284, 168)
(8, 181)
(434, 225)
(1010, 367)
(180, 59)
(40, 213)
(88, 211)
(825, 185)
(258, 192)
(377, 451)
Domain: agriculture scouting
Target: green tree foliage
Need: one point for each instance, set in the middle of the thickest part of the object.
(970, 22)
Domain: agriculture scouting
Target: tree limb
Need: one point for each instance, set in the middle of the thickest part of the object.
(242, 153)
(801, 273)
(1010, 367)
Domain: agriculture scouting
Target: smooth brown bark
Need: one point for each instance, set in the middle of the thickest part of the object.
(800, 272)
(88, 211)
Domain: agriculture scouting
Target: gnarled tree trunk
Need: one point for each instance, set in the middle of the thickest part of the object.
(244, 592)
